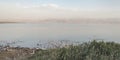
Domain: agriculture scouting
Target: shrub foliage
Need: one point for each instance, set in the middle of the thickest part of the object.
(95, 50)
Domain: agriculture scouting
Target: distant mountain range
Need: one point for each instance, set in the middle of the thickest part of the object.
(86, 21)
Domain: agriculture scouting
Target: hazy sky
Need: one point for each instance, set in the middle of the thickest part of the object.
(58, 9)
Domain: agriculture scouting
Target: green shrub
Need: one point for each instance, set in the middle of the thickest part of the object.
(87, 51)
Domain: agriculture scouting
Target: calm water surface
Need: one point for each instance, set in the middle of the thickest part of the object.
(30, 34)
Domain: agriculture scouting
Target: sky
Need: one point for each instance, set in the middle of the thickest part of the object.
(33, 10)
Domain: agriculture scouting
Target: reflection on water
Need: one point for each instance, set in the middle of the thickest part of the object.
(32, 33)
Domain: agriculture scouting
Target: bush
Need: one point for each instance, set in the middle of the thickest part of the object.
(87, 51)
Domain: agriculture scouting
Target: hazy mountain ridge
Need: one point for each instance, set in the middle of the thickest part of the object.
(101, 21)
(86, 21)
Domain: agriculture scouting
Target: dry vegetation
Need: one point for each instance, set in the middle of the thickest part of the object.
(95, 50)
(87, 51)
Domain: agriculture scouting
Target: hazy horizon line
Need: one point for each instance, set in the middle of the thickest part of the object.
(82, 20)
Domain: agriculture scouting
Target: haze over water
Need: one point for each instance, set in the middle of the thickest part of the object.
(31, 34)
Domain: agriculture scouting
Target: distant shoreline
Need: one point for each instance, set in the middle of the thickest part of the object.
(73, 21)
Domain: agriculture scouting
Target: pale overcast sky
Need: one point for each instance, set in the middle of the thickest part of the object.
(58, 9)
